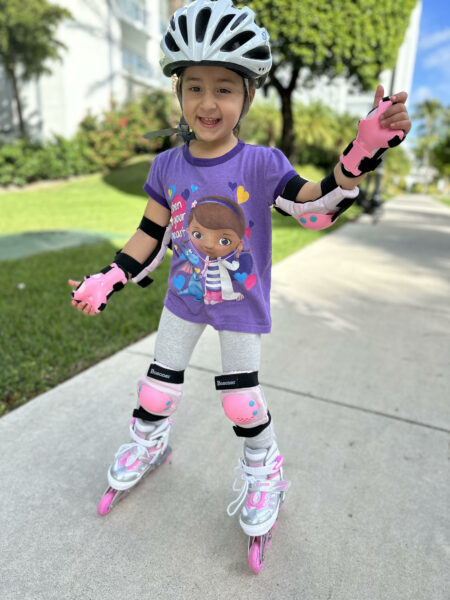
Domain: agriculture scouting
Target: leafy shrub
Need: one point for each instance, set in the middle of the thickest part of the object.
(262, 125)
(117, 134)
(321, 134)
(24, 162)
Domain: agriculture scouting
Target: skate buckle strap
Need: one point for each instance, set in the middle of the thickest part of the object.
(150, 445)
(137, 451)
(249, 475)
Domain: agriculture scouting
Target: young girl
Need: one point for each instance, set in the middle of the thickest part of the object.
(217, 192)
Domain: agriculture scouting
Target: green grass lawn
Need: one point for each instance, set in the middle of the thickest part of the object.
(443, 199)
(44, 339)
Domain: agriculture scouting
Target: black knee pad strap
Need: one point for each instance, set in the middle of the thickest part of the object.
(140, 413)
(253, 431)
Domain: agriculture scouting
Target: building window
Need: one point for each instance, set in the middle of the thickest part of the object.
(137, 65)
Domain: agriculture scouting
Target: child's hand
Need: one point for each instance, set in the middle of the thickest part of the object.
(396, 116)
(83, 307)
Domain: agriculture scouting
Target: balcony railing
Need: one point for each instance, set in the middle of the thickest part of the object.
(137, 65)
(133, 12)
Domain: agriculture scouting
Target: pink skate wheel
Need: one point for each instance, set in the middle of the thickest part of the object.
(254, 562)
(315, 221)
(103, 507)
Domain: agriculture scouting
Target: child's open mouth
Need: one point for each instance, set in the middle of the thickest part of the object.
(209, 122)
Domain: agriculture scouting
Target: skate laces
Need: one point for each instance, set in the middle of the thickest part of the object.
(143, 449)
(254, 480)
(136, 451)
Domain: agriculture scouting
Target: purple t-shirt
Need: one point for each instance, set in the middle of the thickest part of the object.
(226, 199)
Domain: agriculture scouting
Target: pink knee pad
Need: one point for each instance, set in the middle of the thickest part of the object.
(245, 407)
(159, 397)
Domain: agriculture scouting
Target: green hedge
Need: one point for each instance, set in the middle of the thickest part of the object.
(102, 142)
(23, 162)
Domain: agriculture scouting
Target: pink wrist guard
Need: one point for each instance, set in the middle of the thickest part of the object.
(97, 289)
(364, 153)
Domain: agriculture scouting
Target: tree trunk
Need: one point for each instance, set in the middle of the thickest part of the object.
(12, 74)
(285, 93)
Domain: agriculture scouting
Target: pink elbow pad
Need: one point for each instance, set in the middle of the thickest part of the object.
(364, 153)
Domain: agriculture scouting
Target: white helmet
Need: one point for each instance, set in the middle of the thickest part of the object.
(214, 32)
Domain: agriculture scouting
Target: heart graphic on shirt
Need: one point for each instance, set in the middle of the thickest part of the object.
(197, 270)
(179, 282)
(232, 185)
(186, 194)
(250, 281)
(171, 191)
(241, 277)
(194, 188)
(242, 195)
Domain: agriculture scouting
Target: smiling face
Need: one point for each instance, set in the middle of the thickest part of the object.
(215, 243)
(212, 99)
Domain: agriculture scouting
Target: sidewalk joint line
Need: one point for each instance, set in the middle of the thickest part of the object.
(338, 403)
(327, 400)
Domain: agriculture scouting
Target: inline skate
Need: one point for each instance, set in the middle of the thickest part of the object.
(262, 494)
(147, 450)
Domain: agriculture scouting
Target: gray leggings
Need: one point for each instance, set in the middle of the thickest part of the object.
(177, 338)
(176, 341)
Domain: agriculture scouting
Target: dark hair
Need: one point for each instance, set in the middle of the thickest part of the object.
(216, 212)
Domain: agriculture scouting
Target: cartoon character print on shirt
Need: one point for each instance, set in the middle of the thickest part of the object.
(212, 245)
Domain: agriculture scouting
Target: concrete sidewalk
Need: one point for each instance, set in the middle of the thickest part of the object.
(357, 377)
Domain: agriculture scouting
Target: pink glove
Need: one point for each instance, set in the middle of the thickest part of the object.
(97, 289)
(364, 153)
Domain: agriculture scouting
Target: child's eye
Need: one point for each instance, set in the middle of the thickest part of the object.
(224, 91)
(224, 242)
(194, 89)
(197, 235)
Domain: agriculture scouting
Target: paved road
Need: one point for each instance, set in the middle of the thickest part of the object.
(358, 380)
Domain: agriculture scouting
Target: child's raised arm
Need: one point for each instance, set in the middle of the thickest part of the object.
(376, 133)
(318, 205)
(91, 296)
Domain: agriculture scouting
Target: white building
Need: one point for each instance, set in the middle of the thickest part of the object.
(112, 53)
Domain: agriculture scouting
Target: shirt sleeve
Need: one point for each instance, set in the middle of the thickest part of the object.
(154, 185)
(279, 171)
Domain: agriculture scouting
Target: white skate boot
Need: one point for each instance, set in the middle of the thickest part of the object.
(147, 450)
(262, 494)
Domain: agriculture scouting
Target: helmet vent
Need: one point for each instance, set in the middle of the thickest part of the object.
(171, 44)
(237, 41)
(202, 23)
(260, 53)
(182, 22)
(224, 21)
(239, 20)
(172, 23)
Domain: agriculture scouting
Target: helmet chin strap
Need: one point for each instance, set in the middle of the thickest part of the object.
(183, 130)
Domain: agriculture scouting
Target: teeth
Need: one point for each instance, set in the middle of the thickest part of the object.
(209, 121)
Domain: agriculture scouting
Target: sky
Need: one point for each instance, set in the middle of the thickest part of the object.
(432, 69)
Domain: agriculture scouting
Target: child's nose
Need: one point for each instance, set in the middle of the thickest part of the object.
(209, 100)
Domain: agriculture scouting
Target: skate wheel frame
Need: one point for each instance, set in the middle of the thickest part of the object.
(112, 496)
(257, 547)
(109, 498)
